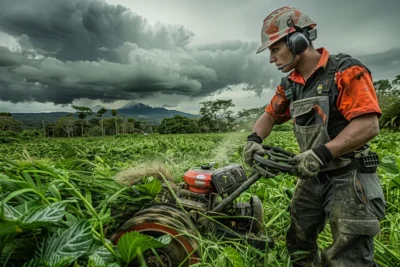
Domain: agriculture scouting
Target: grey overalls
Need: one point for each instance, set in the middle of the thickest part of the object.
(347, 191)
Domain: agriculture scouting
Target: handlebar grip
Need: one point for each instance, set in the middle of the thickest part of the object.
(273, 164)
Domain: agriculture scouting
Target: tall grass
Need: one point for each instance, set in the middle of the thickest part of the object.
(78, 173)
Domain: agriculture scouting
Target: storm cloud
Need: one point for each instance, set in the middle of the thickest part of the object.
(91, 49)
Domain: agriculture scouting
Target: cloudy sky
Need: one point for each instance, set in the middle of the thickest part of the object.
(171, 53)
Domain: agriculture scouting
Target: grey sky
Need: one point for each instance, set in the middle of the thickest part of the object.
(168, 52)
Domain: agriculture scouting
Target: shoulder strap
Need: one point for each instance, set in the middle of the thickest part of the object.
(337, 61)
(287, 86)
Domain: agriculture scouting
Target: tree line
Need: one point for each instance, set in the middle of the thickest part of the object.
(215, 116)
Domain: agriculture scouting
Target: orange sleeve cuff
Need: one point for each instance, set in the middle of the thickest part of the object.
(357, 94)
(279, 106)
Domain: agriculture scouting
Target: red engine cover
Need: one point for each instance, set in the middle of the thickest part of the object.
(199, 180)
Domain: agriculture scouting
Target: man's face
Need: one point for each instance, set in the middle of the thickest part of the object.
(281, 55)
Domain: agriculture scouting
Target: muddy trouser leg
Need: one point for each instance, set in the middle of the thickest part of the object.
(355, 206)
(307, 221)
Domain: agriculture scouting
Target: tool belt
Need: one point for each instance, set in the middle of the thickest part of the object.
(362, 163)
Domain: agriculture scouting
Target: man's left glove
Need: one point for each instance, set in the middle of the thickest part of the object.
(252, 146)
(308, 163)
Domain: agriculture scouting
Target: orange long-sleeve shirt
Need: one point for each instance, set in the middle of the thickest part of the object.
(357, 94)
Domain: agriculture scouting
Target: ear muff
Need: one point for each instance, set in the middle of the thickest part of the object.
(298, 43)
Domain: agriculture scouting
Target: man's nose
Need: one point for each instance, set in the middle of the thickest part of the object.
(272, 59)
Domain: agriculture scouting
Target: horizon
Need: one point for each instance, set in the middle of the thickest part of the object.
(97, 106)
(169, 54)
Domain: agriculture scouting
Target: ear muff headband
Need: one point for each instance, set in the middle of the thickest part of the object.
(297, 41)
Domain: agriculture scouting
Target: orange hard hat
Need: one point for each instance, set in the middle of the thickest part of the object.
(275, 25)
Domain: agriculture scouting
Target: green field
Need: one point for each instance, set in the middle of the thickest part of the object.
(56, 189)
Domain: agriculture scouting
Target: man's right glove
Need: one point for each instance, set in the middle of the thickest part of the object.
(308, 163)
(252, 146)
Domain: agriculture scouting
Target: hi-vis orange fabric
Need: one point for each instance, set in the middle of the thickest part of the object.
(357, 94)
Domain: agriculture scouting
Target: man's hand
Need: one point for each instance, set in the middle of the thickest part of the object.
(308, 163)
(252, 146)
(249, 149)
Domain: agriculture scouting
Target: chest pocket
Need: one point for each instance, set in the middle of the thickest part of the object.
(308, 113)
(310, 119)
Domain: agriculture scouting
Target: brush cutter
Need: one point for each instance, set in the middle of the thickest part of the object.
(204, 203)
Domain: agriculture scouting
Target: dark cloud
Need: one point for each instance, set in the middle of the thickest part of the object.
(90, 49)
(9, 59)
(77, 29)
(383, 65)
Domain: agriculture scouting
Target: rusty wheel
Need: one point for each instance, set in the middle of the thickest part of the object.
(160, 219)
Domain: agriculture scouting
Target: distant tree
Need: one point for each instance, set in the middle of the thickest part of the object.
(8, 123)
(50, 128)
(83, 112)
(137, 123)
(114, 113)
(143, 125)
(396, 80)
(5, 114)
(178, 124)
(216, 114)
(108, 125)
(252, 114)
(67, 124)
(129, 125)
(94, 121)
(100, 114)
(382, 86)
(389, 101)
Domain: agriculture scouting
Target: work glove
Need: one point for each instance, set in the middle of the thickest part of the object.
(308, 163)
(252, 146)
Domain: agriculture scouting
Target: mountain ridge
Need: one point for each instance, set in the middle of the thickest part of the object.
(139, 111)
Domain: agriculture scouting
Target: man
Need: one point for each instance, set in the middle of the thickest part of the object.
(334, 108)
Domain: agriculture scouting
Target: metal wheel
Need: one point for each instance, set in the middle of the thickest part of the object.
(158, 220)
(258, 215)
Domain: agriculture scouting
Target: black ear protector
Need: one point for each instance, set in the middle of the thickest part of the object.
(297, 41)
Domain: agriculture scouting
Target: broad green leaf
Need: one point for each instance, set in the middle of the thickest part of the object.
(48, 215)
(103, 253)
(29, 180)
(389, 164)
(9, 212)
(62, 261)
(71, 219)
(152, 188)
(395, 182)
(17, 193)
(233, 257)
(26, 206)
(134, 242)
(71, 244)
(7, 228)
(54, 191)
(96, 261)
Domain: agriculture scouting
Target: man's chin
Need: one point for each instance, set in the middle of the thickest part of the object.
(286, 69)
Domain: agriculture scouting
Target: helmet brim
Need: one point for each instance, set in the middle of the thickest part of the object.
(265, 45)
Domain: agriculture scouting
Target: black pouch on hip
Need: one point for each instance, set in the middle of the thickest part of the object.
(367, 163)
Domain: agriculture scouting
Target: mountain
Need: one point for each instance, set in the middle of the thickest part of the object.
(138, 111)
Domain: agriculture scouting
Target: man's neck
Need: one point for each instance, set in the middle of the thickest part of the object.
(308, 63)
